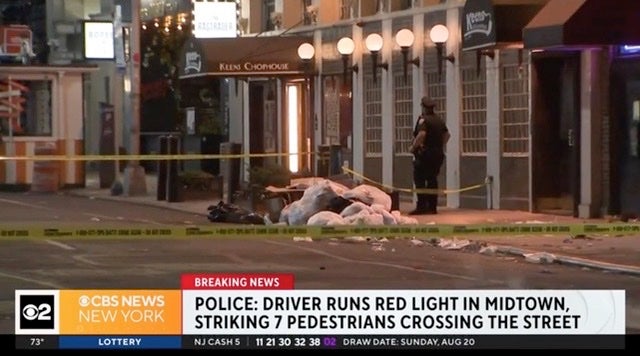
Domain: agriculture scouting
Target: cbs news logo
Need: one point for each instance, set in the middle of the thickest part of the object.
(36, 312)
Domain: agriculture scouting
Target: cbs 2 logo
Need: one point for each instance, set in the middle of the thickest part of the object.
(40, 312)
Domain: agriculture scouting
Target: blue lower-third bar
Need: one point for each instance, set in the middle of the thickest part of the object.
(120, 342)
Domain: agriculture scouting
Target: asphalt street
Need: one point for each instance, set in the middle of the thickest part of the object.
(321, 264)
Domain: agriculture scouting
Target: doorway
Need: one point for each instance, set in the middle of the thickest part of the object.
(256, 119)
(556, 133)
(297, 132)
(629, 149)
(263, 132)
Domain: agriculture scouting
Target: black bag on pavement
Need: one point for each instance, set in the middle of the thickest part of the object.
(233, 214)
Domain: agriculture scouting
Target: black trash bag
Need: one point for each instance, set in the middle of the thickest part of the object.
(233, 214)
(337, 204)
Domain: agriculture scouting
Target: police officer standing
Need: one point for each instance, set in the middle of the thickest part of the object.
(430, 137)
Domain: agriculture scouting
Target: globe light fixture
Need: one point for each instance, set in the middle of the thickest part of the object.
(439, 34)
(306, 51)
(346, 46)
(374, 43)
(405, 39)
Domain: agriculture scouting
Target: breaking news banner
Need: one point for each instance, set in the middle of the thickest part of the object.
(265, 311)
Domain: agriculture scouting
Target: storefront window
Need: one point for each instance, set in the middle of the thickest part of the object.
(372, 117)
(268, 7)
(403, 112)
(346, 7)
(515, 107)
(474, 109)
(33, 117)
(331, 111)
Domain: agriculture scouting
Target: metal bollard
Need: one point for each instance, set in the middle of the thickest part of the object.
(324, 158)
(161, 190)
(335, 159)
(489, 182)
(172, 170)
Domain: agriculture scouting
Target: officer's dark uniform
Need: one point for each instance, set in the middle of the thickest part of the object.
(428, 161)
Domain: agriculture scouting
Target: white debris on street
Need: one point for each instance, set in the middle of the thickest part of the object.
(489, 250)
(377, 247)
(453, 244)
(325, 202)
(539, 257)
(416, 242)
(532, 222)
(302, 239)
(356, 238)
(328, 203)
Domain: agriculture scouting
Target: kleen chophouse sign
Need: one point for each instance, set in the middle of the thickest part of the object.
(193, 65)
(253, 67)
(192, 62)
(242, 57)
(478, 22)
(478, 27)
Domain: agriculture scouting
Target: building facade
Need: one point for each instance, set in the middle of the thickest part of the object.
(534, 119)
(43, 106)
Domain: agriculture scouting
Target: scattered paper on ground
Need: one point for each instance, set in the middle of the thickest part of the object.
(302, 239)
(449, 244)
(416, 242)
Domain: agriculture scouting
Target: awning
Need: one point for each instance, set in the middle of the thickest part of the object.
(577, 23)
(242, 56)
(488, 25)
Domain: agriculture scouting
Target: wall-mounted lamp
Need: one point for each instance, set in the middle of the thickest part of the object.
(479, 54)
(404, 39)
(346, 48)
(374, 45)
(439, 35)
(306, 51)
(487, 53)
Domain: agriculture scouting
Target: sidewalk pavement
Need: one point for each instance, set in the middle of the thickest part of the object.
(612, 253)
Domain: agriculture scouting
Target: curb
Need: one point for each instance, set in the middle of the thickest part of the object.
(150, 204)
(508, 250)
(573, 261)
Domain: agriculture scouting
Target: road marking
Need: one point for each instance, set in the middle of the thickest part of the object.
(34, 206)
(147, 221)
(384, 264)
(60, 244)
(32, 280)
(119, 218)
(81, 258)
(100, 216)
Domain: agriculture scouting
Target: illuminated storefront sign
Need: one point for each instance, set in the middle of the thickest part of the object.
(98, 40)
(628, 49)
(214, 19)
(242, 56)
(253, 67)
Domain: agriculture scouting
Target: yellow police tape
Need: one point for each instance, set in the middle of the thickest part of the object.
(185, 157)
(147, 157)
(408, 190)
(231, 231)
